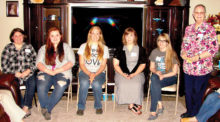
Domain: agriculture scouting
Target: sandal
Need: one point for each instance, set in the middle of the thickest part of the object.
(134, 110)
(139, 107)
(27, 115)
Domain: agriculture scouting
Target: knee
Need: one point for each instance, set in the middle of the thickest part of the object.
(96, 85)
(154, 77)
(84, 84)
(62, 83)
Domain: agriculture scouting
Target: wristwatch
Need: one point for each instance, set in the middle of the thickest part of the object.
(199, 57)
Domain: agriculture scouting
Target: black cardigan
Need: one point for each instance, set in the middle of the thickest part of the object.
(120, 55)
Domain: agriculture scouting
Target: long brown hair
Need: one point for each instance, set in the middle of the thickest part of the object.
(170, 53)
(50, 49)
(126, 32)
(101, 43)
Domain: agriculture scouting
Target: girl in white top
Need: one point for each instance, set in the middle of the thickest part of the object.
(93, 57)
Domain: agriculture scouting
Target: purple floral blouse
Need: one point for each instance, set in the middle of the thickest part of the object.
(196, 42)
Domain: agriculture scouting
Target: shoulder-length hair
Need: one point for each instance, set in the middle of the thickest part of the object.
(170, 53)
(126, 32)
(50, 56)
(18, 30)
(101, 43)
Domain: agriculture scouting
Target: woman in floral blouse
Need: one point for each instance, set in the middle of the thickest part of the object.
(19, 58)
(198, 48)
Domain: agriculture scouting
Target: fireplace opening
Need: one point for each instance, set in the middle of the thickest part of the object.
(113, 20)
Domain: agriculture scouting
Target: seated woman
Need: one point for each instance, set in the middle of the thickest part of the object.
(164, 67)
(15, 113)
(55, 61)
(210, 106)
(19, 58)
(92, 61)
(129, 63)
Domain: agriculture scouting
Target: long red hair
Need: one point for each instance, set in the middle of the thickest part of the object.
(50, 56)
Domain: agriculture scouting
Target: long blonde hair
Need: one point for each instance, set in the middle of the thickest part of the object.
(101, 43)
(170, 53)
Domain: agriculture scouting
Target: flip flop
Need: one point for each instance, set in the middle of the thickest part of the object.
(27, 115)
(139, 107)
(134, 110)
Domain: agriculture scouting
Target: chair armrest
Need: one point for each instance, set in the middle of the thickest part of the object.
(7, 81)
(214, 83)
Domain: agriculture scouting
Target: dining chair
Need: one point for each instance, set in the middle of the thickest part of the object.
(171, 89)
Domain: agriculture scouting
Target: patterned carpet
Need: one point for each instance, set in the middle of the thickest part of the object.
(121, 113)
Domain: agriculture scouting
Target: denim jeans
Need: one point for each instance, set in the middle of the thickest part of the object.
(96, 87)
(210, 106)
(30, 85)
(156, 85)
(44, 83)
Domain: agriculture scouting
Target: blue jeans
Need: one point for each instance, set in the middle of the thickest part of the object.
(30, 85)
(195, 87)
(210, 106)
(44, 83)
(96, 87)
(30, 91)
(156, 85)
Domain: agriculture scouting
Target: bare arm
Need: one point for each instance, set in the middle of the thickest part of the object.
(65, 67)
(139, 70)
(82, 65)
(25, 73)
(42, 68)
(118, 68)
(102, 67)
(172, 73)
(202, 55)
(153, 69)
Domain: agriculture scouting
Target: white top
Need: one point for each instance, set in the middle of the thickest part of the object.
(93, 64)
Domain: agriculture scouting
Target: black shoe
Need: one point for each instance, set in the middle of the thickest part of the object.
(184, 115)
(80, 112)
(99, 111)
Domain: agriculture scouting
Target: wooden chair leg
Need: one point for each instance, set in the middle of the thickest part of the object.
(114, 105)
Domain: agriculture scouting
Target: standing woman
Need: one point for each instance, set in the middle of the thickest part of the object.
(129, 63)
(93, 57)
(54, 60)
(198, 48)
(164, 65)
(19, 58)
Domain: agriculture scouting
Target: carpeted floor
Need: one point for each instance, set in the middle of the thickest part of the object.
(121, 113)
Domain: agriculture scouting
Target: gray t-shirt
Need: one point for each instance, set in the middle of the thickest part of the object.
(68, 56)
(93, 64)
(159, 58)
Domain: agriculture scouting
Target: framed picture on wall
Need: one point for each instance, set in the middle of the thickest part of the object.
(12, 9)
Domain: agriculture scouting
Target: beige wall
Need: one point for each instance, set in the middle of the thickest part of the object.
(8, 23)
(212, 7)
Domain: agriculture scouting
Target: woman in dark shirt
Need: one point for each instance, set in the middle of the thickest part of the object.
(129, 63)
(19, 58)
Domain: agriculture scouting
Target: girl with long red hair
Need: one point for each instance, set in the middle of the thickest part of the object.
(55, 61)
